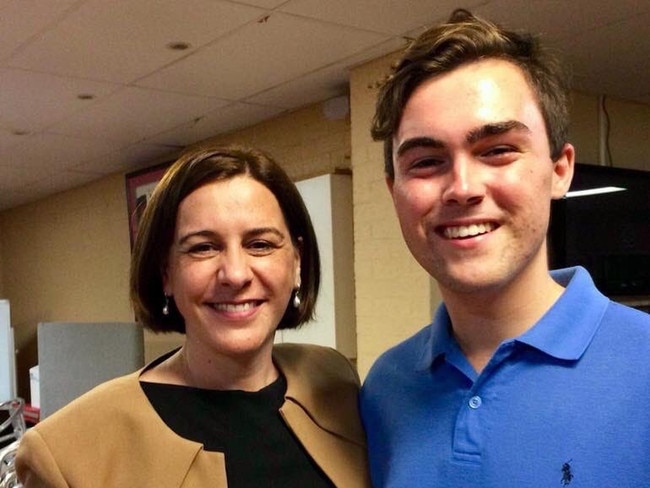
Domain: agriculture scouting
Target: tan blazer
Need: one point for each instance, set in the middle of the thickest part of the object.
(112, 437)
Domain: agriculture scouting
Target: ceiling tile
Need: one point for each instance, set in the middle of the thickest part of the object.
(323, 84)
(12, 177)
(386, 16)
(129, 158)
(14, 197)
(314, 87)
(9, 139)
(20, 20)
(261, 55)
(31, 101)
(543, 16)
(232, 117)
(133, 114)
(621, 66)
(269, 4)
(48, 153)
(59, 182)
(117, 41)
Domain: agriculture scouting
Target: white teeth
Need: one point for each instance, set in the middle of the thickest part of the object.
(468, 230)
(234, 307)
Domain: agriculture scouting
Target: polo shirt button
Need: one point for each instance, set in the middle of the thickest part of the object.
(475, 402)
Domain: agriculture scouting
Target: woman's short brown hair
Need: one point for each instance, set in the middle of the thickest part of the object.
(463, 39)
(156, 229)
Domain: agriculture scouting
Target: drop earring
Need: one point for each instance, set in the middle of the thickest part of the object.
(165, 309)
(296, 298)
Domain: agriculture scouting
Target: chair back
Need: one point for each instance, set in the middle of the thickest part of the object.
(11, 431)
(12, 427)
(8, 477)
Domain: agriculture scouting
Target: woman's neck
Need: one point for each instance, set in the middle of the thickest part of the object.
(214, 372)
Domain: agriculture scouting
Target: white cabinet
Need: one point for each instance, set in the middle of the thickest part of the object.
(7, 354)
(329, 201)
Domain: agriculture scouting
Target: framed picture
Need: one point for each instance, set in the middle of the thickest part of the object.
(139, 186)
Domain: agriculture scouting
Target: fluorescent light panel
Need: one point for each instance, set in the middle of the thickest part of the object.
(594, 191)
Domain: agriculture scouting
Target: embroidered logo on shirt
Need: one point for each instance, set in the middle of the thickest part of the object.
(567, 475)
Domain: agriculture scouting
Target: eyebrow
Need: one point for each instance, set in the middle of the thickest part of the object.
(409, 144)
(495, 129)
(472, 136)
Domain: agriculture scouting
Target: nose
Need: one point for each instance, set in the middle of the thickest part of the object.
(464, 185)
(234, 269)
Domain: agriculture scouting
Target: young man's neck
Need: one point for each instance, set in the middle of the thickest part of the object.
(481, 321)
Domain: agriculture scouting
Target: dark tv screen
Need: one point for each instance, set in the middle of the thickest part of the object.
(609, 232)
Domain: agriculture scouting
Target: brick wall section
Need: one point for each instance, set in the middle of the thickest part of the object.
(393, 293)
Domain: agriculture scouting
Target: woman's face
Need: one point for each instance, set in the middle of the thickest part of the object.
(232, 267)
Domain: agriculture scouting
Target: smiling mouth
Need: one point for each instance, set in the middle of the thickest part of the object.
(236, 307)
(467, 231)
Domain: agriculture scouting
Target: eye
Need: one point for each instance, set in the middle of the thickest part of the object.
(420, 154)
(423, 165)
(500, 154)
(202, 249)
(427, 162)
(261, 247)
(496, 151)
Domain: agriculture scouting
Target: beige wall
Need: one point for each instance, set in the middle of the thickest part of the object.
(2, 290)
(629, 131)
(630, 134)
(66, 258)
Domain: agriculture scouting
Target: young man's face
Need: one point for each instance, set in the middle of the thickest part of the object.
(474, 179)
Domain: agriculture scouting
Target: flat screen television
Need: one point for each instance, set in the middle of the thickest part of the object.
(604, 225)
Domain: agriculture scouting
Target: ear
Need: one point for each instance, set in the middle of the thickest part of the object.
(389, 183)
(563, 172)
(297, 261)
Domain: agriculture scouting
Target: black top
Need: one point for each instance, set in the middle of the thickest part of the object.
(259, 448)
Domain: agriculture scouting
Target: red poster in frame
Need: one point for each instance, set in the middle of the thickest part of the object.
(139, 186)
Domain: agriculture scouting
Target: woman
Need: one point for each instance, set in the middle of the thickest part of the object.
(226, 254)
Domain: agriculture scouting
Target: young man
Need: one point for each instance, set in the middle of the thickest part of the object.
(525, 378)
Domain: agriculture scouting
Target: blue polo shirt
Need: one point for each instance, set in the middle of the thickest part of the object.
(565, 404)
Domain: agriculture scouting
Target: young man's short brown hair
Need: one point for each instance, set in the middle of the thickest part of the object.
(464, 39)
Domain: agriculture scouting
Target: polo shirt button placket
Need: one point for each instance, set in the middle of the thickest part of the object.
(468, 432)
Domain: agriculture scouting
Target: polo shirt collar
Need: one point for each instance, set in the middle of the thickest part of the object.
(439, 341)
(564, 332)
(568, 327)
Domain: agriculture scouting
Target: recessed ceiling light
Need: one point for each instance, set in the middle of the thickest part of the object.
(179, 45)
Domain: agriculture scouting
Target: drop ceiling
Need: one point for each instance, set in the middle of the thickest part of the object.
(93, 87)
